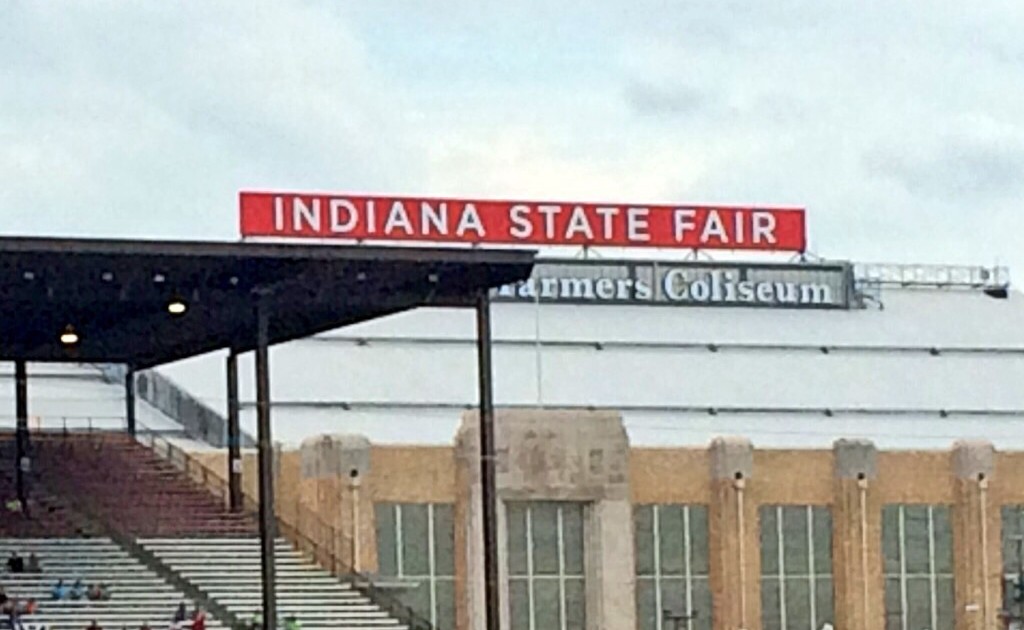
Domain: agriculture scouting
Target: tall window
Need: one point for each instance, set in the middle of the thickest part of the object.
(1013, 559)
(796, 567)
(917, 544)
(416, 541)
(546, 578)
(672, 567)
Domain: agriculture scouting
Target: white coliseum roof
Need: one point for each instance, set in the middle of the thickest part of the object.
(930, 367)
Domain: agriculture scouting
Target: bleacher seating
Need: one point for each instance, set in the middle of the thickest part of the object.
(133, 489)
(228, 571)
(135, 492)
(138, 595)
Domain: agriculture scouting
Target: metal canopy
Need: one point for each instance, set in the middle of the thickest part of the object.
(115, 293)
(114, 296)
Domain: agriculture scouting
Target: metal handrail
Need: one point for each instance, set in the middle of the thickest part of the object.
(307, 532)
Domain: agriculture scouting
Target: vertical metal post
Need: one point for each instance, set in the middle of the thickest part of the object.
(129, 401)
(492, 602)
(234, 437)
(268, 529)
(21, 431)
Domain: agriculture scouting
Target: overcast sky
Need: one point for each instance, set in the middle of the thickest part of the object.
(900, 126)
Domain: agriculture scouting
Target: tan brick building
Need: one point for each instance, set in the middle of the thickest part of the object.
(873, 480)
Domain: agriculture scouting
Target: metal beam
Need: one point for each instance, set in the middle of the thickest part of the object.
(234, 437)
(129, 400)
(268, 529)
(21, 431)
(492, 603)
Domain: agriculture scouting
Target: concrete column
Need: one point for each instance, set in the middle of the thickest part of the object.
(547, 455)
(333, 467)
(857, 538)
(733, 540)
(976, 544)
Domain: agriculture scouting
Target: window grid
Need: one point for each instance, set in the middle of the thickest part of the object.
(431, 577)
(660, 581)
(531, 578)
(932, 574)
(784, 575)
(1013, 555)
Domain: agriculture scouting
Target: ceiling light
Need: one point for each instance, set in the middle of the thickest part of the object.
(159, 278)
(176, 307)
(69, 337)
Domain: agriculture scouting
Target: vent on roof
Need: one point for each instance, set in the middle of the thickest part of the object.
(999, 293)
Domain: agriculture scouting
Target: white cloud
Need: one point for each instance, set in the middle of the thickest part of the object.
(897, 124)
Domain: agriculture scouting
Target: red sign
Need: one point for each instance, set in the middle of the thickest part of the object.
(445, 220)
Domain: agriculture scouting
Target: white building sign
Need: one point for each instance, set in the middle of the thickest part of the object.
(687, 284)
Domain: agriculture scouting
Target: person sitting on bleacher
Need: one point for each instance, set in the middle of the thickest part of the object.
(15, 564)
(33, 564)
(199, 619)
(77, 590)
(93, 626)
(104, 591)
(93, 593)
(60, 591)
(179, 617)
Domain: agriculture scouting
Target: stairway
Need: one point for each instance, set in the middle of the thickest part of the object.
(138, 595)
(132, 489)
(228, 570)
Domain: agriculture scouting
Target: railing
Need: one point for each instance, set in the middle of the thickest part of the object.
(308, 531)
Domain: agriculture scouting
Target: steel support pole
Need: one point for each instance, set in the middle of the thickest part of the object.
(21, 431)
(129, 401)
(234, 437)
(492, 603)
(268, 526)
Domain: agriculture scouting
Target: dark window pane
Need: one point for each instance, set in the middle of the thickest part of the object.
(943, 540)
(822, 541)
(445, 605)
(698, 540)
(575, 604)
(415, 539)
(670, 543)
(544, 526)
(572, 537)
(1012, 548)
(770, 613)
(519, 604)
(893, 604)
(890, 539)
(919, 603)
(823, 602)
(419, 598)
(944, 601)
(798, 604)
(646, 605)
(515, 514)
(795, 539)
(769, 540)
(643, 535)
(915, 538)
(444, 540)
(546, 604)
(673, 596)
(387, 560)
(701, 605)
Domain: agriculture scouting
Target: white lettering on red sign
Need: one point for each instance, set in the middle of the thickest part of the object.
(297, 215)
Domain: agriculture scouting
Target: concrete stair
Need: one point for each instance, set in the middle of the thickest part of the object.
(227, 570)
(138, 595)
